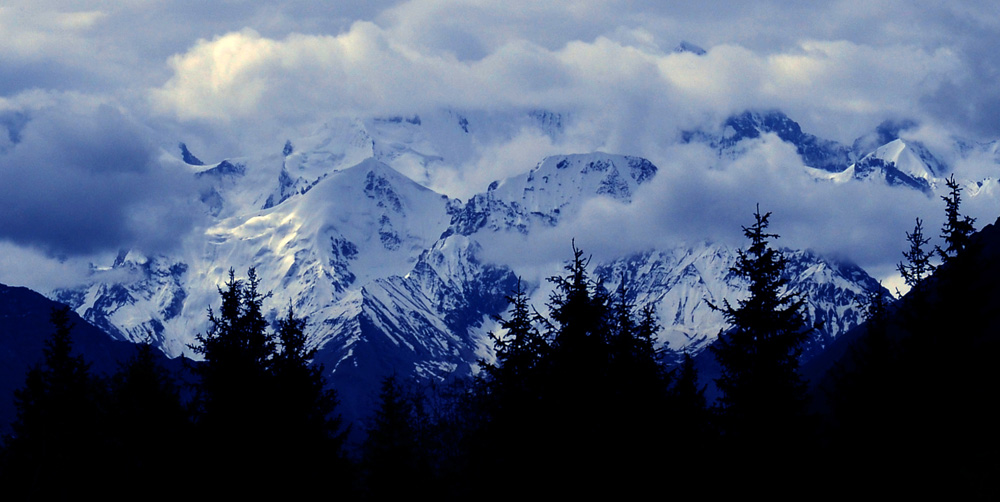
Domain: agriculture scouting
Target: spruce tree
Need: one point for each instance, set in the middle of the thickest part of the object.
(396, 464)
(918, 262)
(634, 359)
(511, 394)
(263, 412)
(59, 441)
(148, 420)
(687, 411)
(309, 433)
(309, 405)
(688, 406)
(520, 349)
(579, 308)
(762, 391)
(958, 229)
(238, 351)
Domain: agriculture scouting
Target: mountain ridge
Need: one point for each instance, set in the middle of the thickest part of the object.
(396, 278)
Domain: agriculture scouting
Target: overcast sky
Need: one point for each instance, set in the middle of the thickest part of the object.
(93, 92)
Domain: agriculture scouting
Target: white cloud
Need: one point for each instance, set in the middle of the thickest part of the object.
(233, 77)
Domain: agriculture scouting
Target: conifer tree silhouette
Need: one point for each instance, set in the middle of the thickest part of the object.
(263, 412)
(918, 262)
(309, 433)
(58, 439)
(511, 392)
(520, 349)
(958, 229)
(762, 392)
(149, 421)
(395, 462)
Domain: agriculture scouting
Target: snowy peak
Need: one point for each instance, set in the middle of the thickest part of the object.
(337, 145)
(880, 155)
(681, 282)
(558, 185)
(415, 145)
(356, 224)
(816, 152)
(188, 157)
(566, 177)
(898, 163)
(884, 133)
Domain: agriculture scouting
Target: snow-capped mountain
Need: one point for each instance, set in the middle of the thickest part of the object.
(824, 155)
(898, 162)
(885, 155)
(394, 277)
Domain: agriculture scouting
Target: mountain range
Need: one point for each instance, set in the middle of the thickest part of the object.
(394, 277)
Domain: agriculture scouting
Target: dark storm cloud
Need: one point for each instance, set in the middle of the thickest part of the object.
(83, 181)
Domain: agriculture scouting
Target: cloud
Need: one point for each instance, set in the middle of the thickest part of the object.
(81, 179)
(836, 88)
(236, 77)
(696, 196)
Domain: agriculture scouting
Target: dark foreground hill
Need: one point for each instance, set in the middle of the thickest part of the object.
(24, 327)
(910, 400)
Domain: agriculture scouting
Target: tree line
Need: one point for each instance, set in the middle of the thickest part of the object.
(578, 402)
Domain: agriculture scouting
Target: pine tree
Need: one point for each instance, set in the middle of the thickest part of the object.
(511, 393)
(309, 434)
(957, 230)
(309, 404)
(520, 349)
(687, 411)
(58, 437)
(687, 398)
(238, 351)
(918, 262)
(148, 420)
(762, 391)
(631, 343)
(579, 308)
(263, 411)
(396, 463)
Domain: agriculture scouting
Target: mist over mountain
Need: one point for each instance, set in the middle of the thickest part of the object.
(394, 277)
(393, 169)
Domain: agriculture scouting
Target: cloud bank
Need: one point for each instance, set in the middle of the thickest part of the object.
(93, 94)
(79, 179)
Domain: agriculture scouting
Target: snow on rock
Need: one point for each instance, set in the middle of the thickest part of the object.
(391, 275)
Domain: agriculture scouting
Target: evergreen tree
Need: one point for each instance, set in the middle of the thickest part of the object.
(918, 262)
(309, 434)
(520, 349)
(309, 405)
(579, 308)
(238, 351)
(763, 395)
(396, 464)
(687, 398)
(595, 399)
(957, 230)
(631, 343)
(263, 412)
(58, 441)
(511, 394)
(688, 412)
(149, 421)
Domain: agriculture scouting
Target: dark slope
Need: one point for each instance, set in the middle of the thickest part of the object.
(24, 327)
(911, 405)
